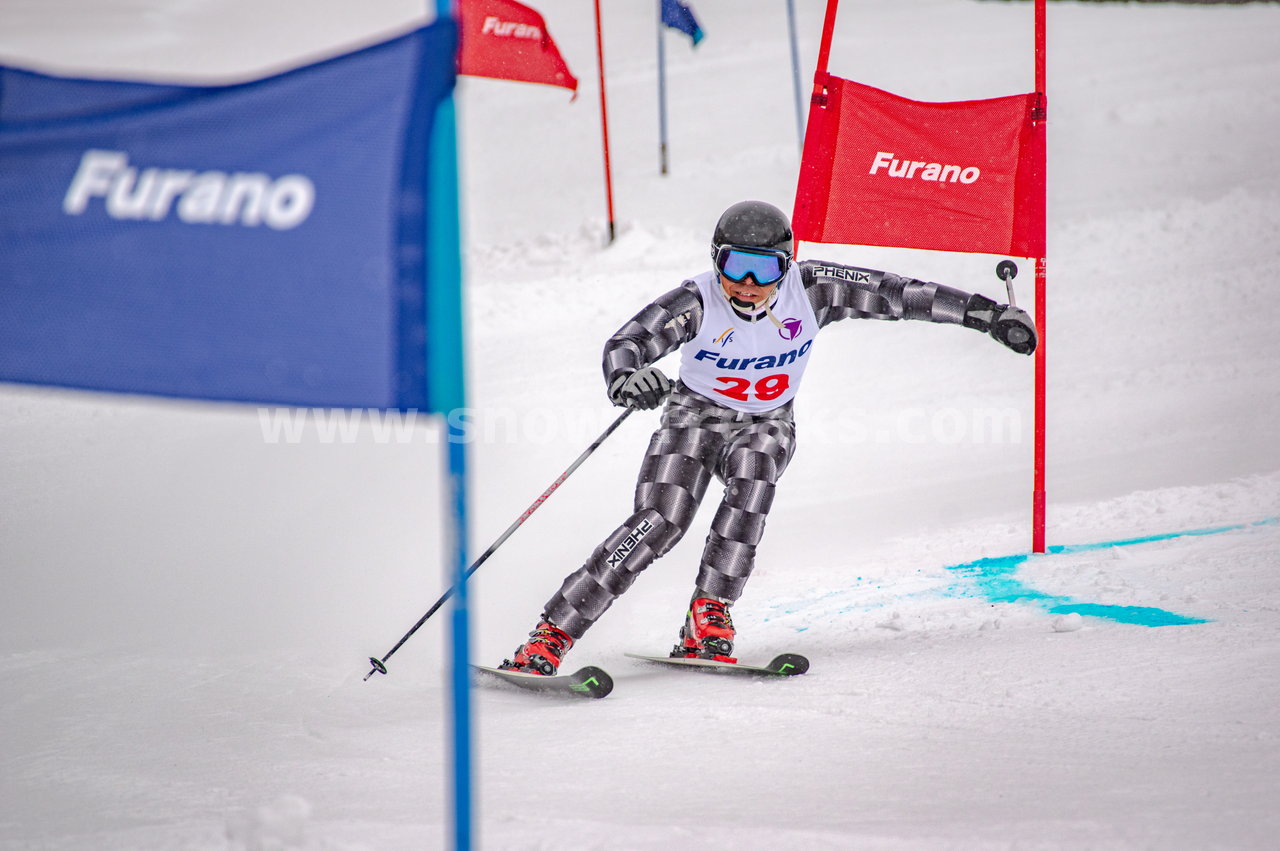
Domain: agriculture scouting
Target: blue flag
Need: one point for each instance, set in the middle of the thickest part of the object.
(679, 16)
(261, 242)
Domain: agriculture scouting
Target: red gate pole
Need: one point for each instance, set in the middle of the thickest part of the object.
(820, 77)
(604, 124)
(1038, 496)
(824, 47)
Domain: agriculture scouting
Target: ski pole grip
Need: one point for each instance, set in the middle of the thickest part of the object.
(1007, 270)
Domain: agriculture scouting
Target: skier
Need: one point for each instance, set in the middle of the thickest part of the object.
(745, 330)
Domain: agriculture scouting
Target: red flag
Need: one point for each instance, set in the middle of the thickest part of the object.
(879, 169)
(509, 41)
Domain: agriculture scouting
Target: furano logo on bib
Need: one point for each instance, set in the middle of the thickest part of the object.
(764, 362)
(207, 197)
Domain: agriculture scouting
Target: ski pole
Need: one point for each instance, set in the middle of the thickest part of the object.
(1007, 270)
(380, 665)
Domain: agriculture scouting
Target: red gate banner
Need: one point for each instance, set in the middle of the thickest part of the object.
(879, 169)
(509, 41)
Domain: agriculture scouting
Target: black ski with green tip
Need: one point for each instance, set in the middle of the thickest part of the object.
(584, 682)
(784, 665)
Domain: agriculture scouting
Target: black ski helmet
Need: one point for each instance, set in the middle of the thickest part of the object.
(753, 224)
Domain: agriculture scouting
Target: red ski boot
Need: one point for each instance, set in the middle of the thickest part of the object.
(707, 632)
(542, 653)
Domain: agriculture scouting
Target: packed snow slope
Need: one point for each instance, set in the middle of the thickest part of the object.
(190, 591)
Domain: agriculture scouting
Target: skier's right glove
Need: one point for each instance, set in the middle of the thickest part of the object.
(1009, 326)
(643, 389)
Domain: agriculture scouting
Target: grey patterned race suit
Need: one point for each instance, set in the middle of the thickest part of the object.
(699, 438)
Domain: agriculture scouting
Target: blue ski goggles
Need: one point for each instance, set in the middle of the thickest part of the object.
(764, 265)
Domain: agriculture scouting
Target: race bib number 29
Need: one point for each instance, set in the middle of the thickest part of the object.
(766, 389)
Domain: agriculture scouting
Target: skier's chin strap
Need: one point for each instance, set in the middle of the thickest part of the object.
(752, 310)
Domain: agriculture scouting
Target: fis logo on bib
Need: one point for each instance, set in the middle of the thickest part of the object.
(790, 329)
(724, 339)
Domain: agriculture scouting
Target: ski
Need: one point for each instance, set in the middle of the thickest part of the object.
(585, 682)
(784, 665)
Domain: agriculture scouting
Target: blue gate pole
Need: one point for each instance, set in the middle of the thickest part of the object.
(446, 385)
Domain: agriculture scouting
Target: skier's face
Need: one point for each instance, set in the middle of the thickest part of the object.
(746, 289)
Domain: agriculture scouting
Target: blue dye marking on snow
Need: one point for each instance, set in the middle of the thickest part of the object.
(1140, 615)
(995, 580)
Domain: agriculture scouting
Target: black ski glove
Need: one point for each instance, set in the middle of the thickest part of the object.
(1009, 326)
(643, 389)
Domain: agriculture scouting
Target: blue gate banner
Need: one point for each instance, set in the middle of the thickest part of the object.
(680, 16)
(262, 242)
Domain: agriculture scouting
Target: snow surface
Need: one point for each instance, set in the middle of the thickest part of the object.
(188, 605)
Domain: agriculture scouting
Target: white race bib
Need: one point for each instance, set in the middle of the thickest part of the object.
(750, 366)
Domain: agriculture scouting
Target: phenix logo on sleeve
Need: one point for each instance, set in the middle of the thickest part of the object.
(757, 366)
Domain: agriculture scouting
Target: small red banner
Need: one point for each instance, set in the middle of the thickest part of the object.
(879, 169)
(509, 41)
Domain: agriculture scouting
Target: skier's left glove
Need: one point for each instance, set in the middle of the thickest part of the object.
(643, 389)
(1010, 326)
